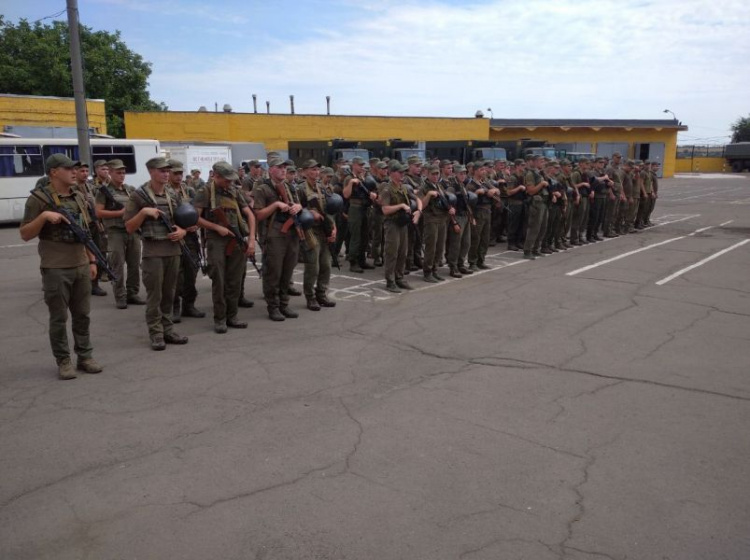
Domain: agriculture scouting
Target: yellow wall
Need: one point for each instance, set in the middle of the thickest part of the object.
(30, 110)
(703, 165)
(275, 131)
(587, 134)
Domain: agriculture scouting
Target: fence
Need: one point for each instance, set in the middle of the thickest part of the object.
(701, 159)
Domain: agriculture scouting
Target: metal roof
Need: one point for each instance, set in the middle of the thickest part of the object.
(588, 123)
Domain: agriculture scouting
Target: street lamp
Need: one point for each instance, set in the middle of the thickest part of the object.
(492, 115)
(671, 113)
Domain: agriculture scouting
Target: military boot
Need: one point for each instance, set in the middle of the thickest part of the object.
(65, 369)
(88, 365)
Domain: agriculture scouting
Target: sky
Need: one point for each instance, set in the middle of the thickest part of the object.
(598, 59)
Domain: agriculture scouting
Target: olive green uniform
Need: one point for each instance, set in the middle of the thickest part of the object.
(480, 233)
(226, 257)
(317, 274)
(124, 248)
(359, 204)
(459, 242)
(395, 229)
(654, 191)
(580, 217)
(635, 207)
(538, 213)
(281, 249)
(621, 221)
(414, 253)
(611, 207)
(160, 261)
(435, 228)
(645, 205)
(186, 291)
(65, 272)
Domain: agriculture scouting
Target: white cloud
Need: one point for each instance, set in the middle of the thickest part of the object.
(546, 58)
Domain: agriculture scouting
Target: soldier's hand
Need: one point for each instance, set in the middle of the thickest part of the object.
(151, 212)
(406, 208)
(523, 188)
(54, 217)
(177, 235)
(623, 198)
(282, 206)
(221, 230)
(612, 196)
(373, 196)
(92, 271)
(250, 251)
(591, 196)
(452, 211)
(295, 209)
(415, 219)
(192, 229)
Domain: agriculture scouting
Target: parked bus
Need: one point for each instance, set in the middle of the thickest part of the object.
(22, 163)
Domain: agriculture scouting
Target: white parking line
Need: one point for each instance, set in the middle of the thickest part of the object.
(700, 263)
(629, 253)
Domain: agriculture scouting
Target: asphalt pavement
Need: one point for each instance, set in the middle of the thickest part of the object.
(591, 404)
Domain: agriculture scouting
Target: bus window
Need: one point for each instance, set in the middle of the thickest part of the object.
(21, 161)
(108, 152)
(70, 151)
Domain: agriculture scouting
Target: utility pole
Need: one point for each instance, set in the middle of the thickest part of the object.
(79, 93)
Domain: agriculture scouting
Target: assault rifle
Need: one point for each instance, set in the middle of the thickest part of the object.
(82, 235)
(170, 226)
(111, 201)
(239, 239)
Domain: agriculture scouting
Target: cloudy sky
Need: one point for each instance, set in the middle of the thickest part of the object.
(522, 58)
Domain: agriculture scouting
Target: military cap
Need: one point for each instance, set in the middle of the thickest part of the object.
(381, 165)
(519, 161)
(617, 154)
(397, 166)
(445, 163)
(470, 165)
(289, 162)
(489, 163)
(226, 170)
(253, 163)
(629, 162)
(275, 162)
(194, 171)
(639, 162)
(655, 163)
(386, 159)
(99, 163)
(155, 163)
(80, 163)
(356, 160)
(291, 168)
(414, 160)
(118, 164)
(310, 163)
(647, 162)
(327, 171)
(175, 164)
(564, 162)
(584, 160)
(459, 169)
(270, 155)
(600, 159)
(59, 160)
(433, 169)
(374, 160)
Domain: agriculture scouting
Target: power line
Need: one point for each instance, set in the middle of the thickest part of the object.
(57, 14)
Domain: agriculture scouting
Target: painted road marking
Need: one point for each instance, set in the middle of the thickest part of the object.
(700, 263)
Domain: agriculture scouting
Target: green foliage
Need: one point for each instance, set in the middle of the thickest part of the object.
(741, 130)
(35, 60)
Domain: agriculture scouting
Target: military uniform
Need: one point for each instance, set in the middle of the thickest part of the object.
(654, 194)
(580, 218)
(396, 231)
(65, 268)
(282, 245)
(414, 253)
(226, 257)
(480, 232)
(359, 205)
(124, 247)
(98, 231)
(459, 242)
(634, 210)
(556, 205)
(538, 214)
(516, 211)
(435, 226)
(160, 262)
(648, 189)
(611, 207)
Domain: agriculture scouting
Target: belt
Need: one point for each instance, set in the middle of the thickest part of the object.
(357, 202)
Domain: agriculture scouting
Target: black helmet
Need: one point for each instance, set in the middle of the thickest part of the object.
(185, 215)
(334, 203)
(447, 201)
(412, 205)
(473, 199)
(306, 219)
(370, 183)
(451, 198)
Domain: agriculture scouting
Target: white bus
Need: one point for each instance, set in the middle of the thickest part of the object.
(22, 163)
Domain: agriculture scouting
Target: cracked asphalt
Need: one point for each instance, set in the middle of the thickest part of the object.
(519, 414)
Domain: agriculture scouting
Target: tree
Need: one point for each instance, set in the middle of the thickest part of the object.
(35, 60)
(741, 130)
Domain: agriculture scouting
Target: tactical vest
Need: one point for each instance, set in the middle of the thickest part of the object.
(228, 201)
(435, 207)
(399, 195)
(120, 195)
(537, 178)
(647, 183)
(75, 204)
(154, 228)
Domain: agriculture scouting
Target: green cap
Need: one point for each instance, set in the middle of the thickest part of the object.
(433, 169)
(81, 164)
(459, 169)
(115, 164)
(564, 162)
(154, 163)
(59, 160)
(327, 171)
(381, 165)
(275, 162)
(310, 163)
(99, 163)
(396, 166)
(175, 164)
(358, 160)
(226, 170)
(414, 160)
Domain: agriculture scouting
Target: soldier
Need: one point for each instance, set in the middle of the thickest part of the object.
(638, 195)
(435, 219)
(221, 207)
(500, 209)
(459, 242)
(380, 174)
(647, 195)
(654, 190)
(317, 273)
(566, 167)
(555, 208)
(581, 199)
(161, 250)
(66, 265)
(395, 201)
(615, 198)
(360, 198)
(516, 192)
(602, 189)
(253, 175)
(480, 235)
(413, 180)
(277, 204)
(536, 188)
(185, 292)
(627, 190)
(124, 247)
(195, 180)
(88, 189)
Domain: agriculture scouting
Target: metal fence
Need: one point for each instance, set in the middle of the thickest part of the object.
(691, 152)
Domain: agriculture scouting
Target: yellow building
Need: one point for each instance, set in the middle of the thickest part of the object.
(639, 139)
(45, 112)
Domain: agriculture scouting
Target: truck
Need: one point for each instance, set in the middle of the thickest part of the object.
(465, 151)
(326, 151)
(195, 156)
(527, 146)
(738, 156)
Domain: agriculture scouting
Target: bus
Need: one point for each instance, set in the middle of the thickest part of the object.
(22, 164)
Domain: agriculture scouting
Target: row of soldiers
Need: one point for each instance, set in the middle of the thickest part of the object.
(398, 214)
